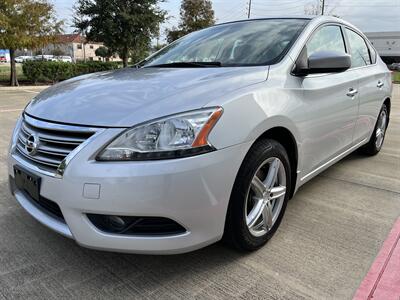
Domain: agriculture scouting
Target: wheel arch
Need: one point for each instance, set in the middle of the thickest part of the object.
(285, 137)
(388, 104)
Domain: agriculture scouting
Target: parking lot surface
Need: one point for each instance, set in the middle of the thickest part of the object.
(332, 231)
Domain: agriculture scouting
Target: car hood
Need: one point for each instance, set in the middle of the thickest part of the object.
(127, 97)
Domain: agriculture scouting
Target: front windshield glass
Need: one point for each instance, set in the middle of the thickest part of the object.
(247, 43)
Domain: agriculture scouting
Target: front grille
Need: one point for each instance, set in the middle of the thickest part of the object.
(52, 144)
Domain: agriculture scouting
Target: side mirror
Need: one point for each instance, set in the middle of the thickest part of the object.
(322, 62)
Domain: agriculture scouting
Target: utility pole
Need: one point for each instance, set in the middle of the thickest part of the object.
(323, 7)
(249, 12)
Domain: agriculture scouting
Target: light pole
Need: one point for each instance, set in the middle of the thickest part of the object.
(249, 12)
(323, 7)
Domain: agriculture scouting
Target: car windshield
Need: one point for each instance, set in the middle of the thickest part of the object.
(246, 43)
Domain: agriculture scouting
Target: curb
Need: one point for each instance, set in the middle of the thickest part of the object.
(383, 278)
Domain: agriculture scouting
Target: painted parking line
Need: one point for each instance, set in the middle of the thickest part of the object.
(30, 91)
(10, 110)
(383, 278)
(6, 106)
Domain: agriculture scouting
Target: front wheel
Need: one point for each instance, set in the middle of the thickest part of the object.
(259, 196)
(378, 136)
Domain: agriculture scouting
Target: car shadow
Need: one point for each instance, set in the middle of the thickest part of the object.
(356, 155)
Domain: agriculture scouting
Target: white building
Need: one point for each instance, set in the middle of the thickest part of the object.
(387, 44)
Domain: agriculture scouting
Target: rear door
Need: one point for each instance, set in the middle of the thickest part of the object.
(331, 104)
(372, 81)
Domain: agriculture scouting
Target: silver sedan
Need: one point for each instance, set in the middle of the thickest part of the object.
(206, 139)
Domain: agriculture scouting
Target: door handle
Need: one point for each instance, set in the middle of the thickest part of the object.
(380, 84)
(352, 92)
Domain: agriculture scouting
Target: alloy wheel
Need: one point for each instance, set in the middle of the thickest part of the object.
(265, 196)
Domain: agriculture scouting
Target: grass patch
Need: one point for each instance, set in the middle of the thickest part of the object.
(5, 70)
(396, 77)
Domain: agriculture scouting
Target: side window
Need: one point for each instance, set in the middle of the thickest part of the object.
(359, 50)
(328, 38)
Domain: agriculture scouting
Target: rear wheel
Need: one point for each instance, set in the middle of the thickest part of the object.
(376, 141)
(259, 196)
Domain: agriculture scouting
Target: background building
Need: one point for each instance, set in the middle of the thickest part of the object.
(77, 47)
(387, 44)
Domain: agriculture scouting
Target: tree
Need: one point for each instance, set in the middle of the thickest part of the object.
(312, 9)
(315, 8)
(140, 54)
(157, 47)
(26, 24)
(124, 26)
(195, 15)
(174, 34)
(103, 52)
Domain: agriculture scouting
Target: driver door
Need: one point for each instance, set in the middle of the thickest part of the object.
(331, 105)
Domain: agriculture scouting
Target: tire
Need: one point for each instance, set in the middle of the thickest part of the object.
(242, 228)
(375, 143)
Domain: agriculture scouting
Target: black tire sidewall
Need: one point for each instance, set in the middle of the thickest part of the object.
(236, 227)
(384, 108)
(370, 148)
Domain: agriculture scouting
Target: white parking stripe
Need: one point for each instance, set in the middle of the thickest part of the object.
(10, 110)
(29, 91)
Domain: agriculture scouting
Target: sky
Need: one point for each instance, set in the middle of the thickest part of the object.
(369, 16)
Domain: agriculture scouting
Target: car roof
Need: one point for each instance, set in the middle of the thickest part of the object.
(314, 21)
(298, 17)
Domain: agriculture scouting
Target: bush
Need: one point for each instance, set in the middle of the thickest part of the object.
(94, 66)
(52, 71)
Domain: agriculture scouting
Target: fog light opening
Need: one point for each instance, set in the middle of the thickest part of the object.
(130, 225)
(116, 222)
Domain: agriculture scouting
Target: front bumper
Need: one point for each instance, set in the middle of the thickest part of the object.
(194, 192)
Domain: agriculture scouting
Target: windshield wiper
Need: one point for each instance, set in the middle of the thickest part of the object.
(188, 64)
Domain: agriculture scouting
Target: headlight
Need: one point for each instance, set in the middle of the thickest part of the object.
(171, 137)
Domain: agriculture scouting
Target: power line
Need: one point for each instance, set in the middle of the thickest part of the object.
(283, 4)
(278, 3)
(279, 8)
(288, 5)
(381, 5)
(276, 9)
(233, 12)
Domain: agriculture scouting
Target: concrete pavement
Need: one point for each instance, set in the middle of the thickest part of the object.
(332, 231)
